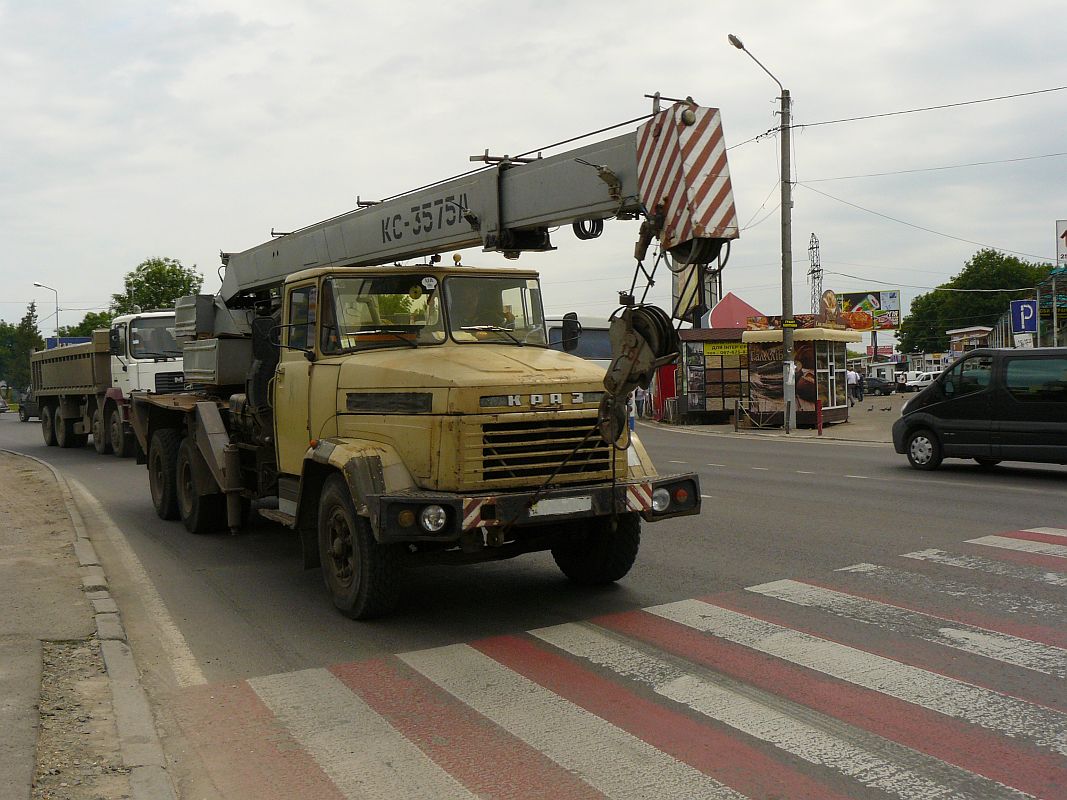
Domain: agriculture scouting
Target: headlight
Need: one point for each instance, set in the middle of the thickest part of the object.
(433, 518)
(661, 498)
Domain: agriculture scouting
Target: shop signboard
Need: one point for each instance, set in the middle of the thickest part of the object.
(725, 348)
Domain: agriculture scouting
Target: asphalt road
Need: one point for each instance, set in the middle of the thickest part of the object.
(834, 624)
(773, 508)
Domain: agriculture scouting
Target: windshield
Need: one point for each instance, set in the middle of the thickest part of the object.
(153, 336)
(380, 311)
(495, 310)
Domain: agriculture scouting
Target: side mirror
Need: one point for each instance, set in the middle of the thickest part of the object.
(572, 331)
(114, 343)
(948, 387)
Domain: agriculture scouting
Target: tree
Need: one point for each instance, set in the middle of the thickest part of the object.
(16, 344)
(933, 313)
(155, 284)
(93, 321)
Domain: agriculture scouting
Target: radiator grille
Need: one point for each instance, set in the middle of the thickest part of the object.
(531, 450)
(169, 382)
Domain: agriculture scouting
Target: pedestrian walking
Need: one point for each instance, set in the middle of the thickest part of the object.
(639, 398)
(860, 385)
(851, 380)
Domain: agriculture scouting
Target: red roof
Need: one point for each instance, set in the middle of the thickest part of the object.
(732, 312)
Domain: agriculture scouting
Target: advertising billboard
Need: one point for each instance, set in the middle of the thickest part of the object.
(870, 311)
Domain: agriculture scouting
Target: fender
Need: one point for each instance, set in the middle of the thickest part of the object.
(370, 470)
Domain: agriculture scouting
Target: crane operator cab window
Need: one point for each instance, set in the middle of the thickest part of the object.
(495, 310)
(362, 313)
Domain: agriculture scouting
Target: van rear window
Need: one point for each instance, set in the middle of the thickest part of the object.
(1037, 380)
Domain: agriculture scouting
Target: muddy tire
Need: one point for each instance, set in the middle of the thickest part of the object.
(200, 513)
(65, 435)
(162, 461)
(101, 441)
(48, 425)
(598, 551)
(362, 575)
(122, 442)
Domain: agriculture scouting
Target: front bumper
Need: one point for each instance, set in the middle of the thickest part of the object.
(900, 431)
(500, 512)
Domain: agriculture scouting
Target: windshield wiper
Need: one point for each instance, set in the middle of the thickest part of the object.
(401, 336)
(492, 329)
(151, 354)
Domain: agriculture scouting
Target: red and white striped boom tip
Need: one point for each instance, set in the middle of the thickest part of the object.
(682, 170)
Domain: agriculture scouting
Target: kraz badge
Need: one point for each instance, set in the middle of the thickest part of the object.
(550, 399)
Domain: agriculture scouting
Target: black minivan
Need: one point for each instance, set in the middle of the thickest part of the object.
(992, 406)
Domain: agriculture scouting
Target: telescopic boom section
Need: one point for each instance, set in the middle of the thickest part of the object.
(671, 170)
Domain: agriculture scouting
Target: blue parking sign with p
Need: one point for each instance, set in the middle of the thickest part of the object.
(1024, 316)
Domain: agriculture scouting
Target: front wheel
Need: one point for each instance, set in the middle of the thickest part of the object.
(600, 550)
(162, 463)
(122, 443)
(361, 574)
(924, 450)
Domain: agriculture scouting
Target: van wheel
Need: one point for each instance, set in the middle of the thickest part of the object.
(361, 574)
(100, 439)
(599, 551)
(200, 513)
(162, 458)
(48, 425)
(121, 442)
(987, 462)
(924, 451)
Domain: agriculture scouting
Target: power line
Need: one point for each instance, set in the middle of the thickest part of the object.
(929, 288)
(935, 169)
(921, 228)
(932, 108)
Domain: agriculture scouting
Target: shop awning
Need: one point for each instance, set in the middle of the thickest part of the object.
(804, 335)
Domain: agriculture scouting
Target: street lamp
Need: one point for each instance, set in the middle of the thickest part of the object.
(789, 386)
(43, 286)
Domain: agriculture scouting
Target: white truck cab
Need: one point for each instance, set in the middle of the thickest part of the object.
(144, 354)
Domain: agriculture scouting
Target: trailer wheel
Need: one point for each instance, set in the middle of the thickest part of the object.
(362, 575)
(48, 425)
(65, 435)
(23, 416)
(101, 442)
(200, 513)
(121, 442)
(162, 458)
(598, 551)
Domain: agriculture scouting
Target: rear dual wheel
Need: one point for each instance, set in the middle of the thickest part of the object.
(101, 441)
(200, 513)
(122, 442)
(65, 435)
(162, 469)
(48, 425)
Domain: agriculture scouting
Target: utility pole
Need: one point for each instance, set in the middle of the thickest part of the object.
(789, 386)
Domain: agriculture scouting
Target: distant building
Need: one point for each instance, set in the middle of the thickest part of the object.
(960, 339)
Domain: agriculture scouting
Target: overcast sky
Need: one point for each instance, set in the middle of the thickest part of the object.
(138, 129)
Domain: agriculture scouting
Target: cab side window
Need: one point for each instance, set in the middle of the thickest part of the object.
(1033, 380)
(969, 376)
(303, 304)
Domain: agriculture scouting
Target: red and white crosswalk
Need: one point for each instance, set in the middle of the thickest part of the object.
(938, 674)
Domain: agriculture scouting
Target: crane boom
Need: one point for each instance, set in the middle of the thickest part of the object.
(672, 169)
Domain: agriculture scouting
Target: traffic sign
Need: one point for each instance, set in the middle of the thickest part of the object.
(1024, 316)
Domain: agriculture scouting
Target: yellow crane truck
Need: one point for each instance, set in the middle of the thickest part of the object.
(394, 414)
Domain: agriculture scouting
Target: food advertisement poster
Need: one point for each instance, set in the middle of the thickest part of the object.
(765, 392)
(869, 311)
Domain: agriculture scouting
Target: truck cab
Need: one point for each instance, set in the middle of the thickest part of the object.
(144, 353)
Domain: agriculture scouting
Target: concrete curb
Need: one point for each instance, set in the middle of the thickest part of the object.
(141, 749)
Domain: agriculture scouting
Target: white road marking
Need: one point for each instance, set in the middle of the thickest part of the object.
(872, 761)
(984, 707)
(707, 496)
(610, 759)
(359, 750)
(1022, 545)
(761, 469)
(903, 583)
(1048, 531)
(804, 472)
(714, 465)
(183, 664)
(860, 477)
(968, 638)
(1020, 572)
(677, 462)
